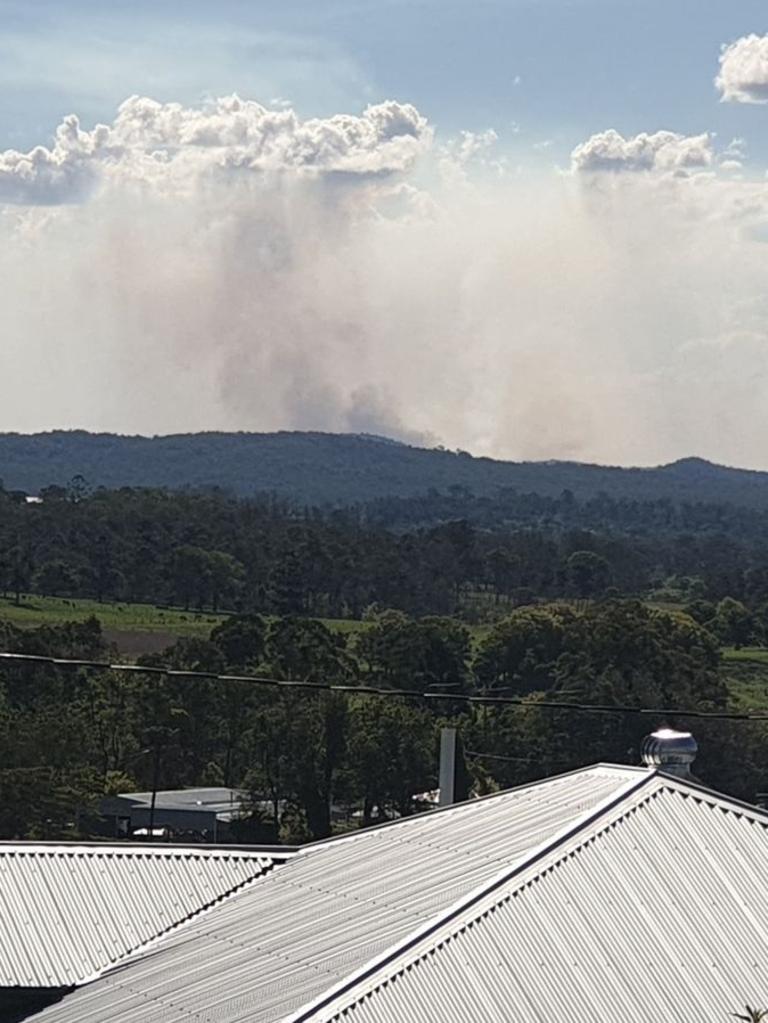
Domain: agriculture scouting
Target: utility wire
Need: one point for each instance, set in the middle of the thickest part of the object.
(365, 690)
(544, 757)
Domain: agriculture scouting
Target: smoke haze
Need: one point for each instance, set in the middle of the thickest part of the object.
(237, 268)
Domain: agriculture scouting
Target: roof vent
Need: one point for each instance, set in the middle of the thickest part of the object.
(672, 752)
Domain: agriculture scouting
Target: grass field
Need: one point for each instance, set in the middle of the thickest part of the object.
(746, 672)
(745, 654)
(133, 628)
(34, 610)
(145, 628)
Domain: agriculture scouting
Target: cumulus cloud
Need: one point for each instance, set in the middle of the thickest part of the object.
(664, 151)
(166, 142)
(743, 76)
(234, 267)
(64, 173)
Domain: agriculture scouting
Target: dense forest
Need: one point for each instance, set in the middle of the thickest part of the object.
(70, 735)
(601, 600)
(340, 469)
(260, 555)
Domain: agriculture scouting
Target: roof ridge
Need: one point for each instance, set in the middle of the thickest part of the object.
(529, 859)
(352, 836)
(155, 848)
(697, 790)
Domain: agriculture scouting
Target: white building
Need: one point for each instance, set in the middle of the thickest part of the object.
(608, 894)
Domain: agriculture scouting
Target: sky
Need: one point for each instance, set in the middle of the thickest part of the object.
(529, 229)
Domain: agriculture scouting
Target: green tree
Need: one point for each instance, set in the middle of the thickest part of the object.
(619, 653)
(409, 654)
(55, 578)
(242, 639)
(503, 568)
(300, 648)
(225, 575)
(20, 570)
(520, 653)
(733, 622)
(587, 573)
(314, 736)
(191, 575)
(392, 755)
(702, 611)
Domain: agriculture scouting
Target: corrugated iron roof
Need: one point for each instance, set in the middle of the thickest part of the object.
(225, 803)
(69, 911)
(654, 912)
(302, 931)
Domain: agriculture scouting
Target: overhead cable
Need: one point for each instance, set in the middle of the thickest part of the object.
(470, 699)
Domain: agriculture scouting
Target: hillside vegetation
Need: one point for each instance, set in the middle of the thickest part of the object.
(317, 468)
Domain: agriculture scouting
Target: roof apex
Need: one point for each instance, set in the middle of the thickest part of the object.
(640, 782)
(651, 782)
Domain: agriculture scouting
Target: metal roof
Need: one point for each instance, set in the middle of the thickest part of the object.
(655, 911)
(225, 803)
(296, 934)
(68, 911)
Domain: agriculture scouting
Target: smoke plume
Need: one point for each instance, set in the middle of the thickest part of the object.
(238, 268)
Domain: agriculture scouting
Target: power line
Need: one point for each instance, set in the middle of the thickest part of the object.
(544, 757)
(366, 690)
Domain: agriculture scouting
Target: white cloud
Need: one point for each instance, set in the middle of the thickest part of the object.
(150, 141)
(64, 173)
(743, 76)
(736, 149)
(664, 151)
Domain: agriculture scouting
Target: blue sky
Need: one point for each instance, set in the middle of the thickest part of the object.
(559, 70)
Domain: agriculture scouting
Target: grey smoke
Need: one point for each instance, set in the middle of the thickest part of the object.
(236, 268)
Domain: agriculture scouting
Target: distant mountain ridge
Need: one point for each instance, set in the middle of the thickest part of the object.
(322, 468)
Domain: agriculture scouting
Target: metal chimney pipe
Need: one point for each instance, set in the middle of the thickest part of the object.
(447, 780)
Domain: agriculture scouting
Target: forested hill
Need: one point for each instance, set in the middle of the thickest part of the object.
(318, 468)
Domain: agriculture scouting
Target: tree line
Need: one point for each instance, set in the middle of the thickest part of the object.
(68, 736)
(212, 550)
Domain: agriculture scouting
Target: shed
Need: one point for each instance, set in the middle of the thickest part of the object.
(199, 810)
